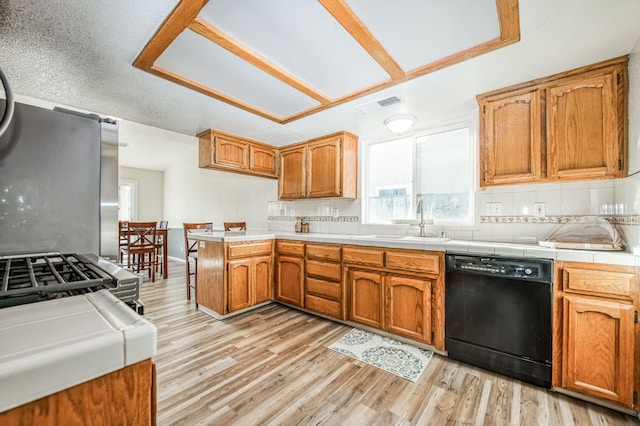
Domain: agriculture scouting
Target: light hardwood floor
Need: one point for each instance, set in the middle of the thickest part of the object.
(272, 366)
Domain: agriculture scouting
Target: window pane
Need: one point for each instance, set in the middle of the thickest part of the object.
(389, 181)
(443, 174)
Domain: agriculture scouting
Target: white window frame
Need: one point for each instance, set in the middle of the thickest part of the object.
(468, 123)
(133, 183)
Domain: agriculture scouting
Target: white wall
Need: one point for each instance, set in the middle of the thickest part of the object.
(150, 196)
(634, 109)
(200, 195)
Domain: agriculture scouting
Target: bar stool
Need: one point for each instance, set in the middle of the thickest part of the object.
(141, 247)
(162, 225)
(191, 253)
(240, 226)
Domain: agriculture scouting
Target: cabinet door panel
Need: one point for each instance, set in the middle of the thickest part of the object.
(598, 348)
(239, 284)
(290, 280)
(409, 307)
(583, 128)
(263, 160)
(324, 168)
(292, 180)
(511, 144)
(263, 279)
(231, 152)
(366, 302)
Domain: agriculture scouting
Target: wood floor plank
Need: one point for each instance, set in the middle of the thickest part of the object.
(272, 366)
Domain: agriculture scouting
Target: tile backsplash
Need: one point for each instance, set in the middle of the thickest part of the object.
(519, 220)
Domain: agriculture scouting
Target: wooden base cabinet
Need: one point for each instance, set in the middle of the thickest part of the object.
(234, 276)
(250, 282)
(324, 290)
(393, 303)
(408, 302)
(595, 331)
(290, 272)
(366, 295)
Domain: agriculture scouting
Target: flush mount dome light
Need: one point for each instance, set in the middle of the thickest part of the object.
(399, 123)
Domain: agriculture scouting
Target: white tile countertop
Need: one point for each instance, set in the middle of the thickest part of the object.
(50, 346)
(435, 244)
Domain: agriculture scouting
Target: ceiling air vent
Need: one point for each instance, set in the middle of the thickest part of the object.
(389, 101)
(378, 105)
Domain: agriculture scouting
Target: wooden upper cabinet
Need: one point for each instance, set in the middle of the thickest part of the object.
(222, 151)
(585, 135)
(231, 152)
(263, 160)
(292, 183)
(511, 138)
(566, 127)
(322, 167)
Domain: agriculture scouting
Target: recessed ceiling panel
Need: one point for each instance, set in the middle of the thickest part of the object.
(288, 59)
(301, 37)
(432, 30)
(194, 58)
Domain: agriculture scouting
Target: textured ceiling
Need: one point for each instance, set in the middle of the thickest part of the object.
(78, 53)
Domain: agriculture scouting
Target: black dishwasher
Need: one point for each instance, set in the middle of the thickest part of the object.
(498, 314)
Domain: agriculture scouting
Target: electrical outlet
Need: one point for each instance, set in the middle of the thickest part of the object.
(494, 209)
(538, 209)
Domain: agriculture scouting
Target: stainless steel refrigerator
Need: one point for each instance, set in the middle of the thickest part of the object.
(58, 183)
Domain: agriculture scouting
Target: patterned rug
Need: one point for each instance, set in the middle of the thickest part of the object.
(386, 354)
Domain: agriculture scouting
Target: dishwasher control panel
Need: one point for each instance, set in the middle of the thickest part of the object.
(521, 268)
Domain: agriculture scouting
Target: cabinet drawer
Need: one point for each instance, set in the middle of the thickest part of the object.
(323, 306)
(249, 249)
(413, 261)
(324, 288)
(608, 283)
(290, 248)
(315, 251)
(363, 256)
(329, 270)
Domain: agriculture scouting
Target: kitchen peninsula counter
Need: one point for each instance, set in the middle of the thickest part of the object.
(57, 356)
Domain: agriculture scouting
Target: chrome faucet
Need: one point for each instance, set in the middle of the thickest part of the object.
(421, 224)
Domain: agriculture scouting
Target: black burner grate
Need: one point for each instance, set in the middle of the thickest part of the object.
(30, 278)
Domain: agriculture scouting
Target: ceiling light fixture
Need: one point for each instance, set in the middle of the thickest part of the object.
(400, 123)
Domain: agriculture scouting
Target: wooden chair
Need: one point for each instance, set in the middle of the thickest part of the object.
(163, 224)
(123, 226)
(141, 247)
(191, 253)
(240, 226)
